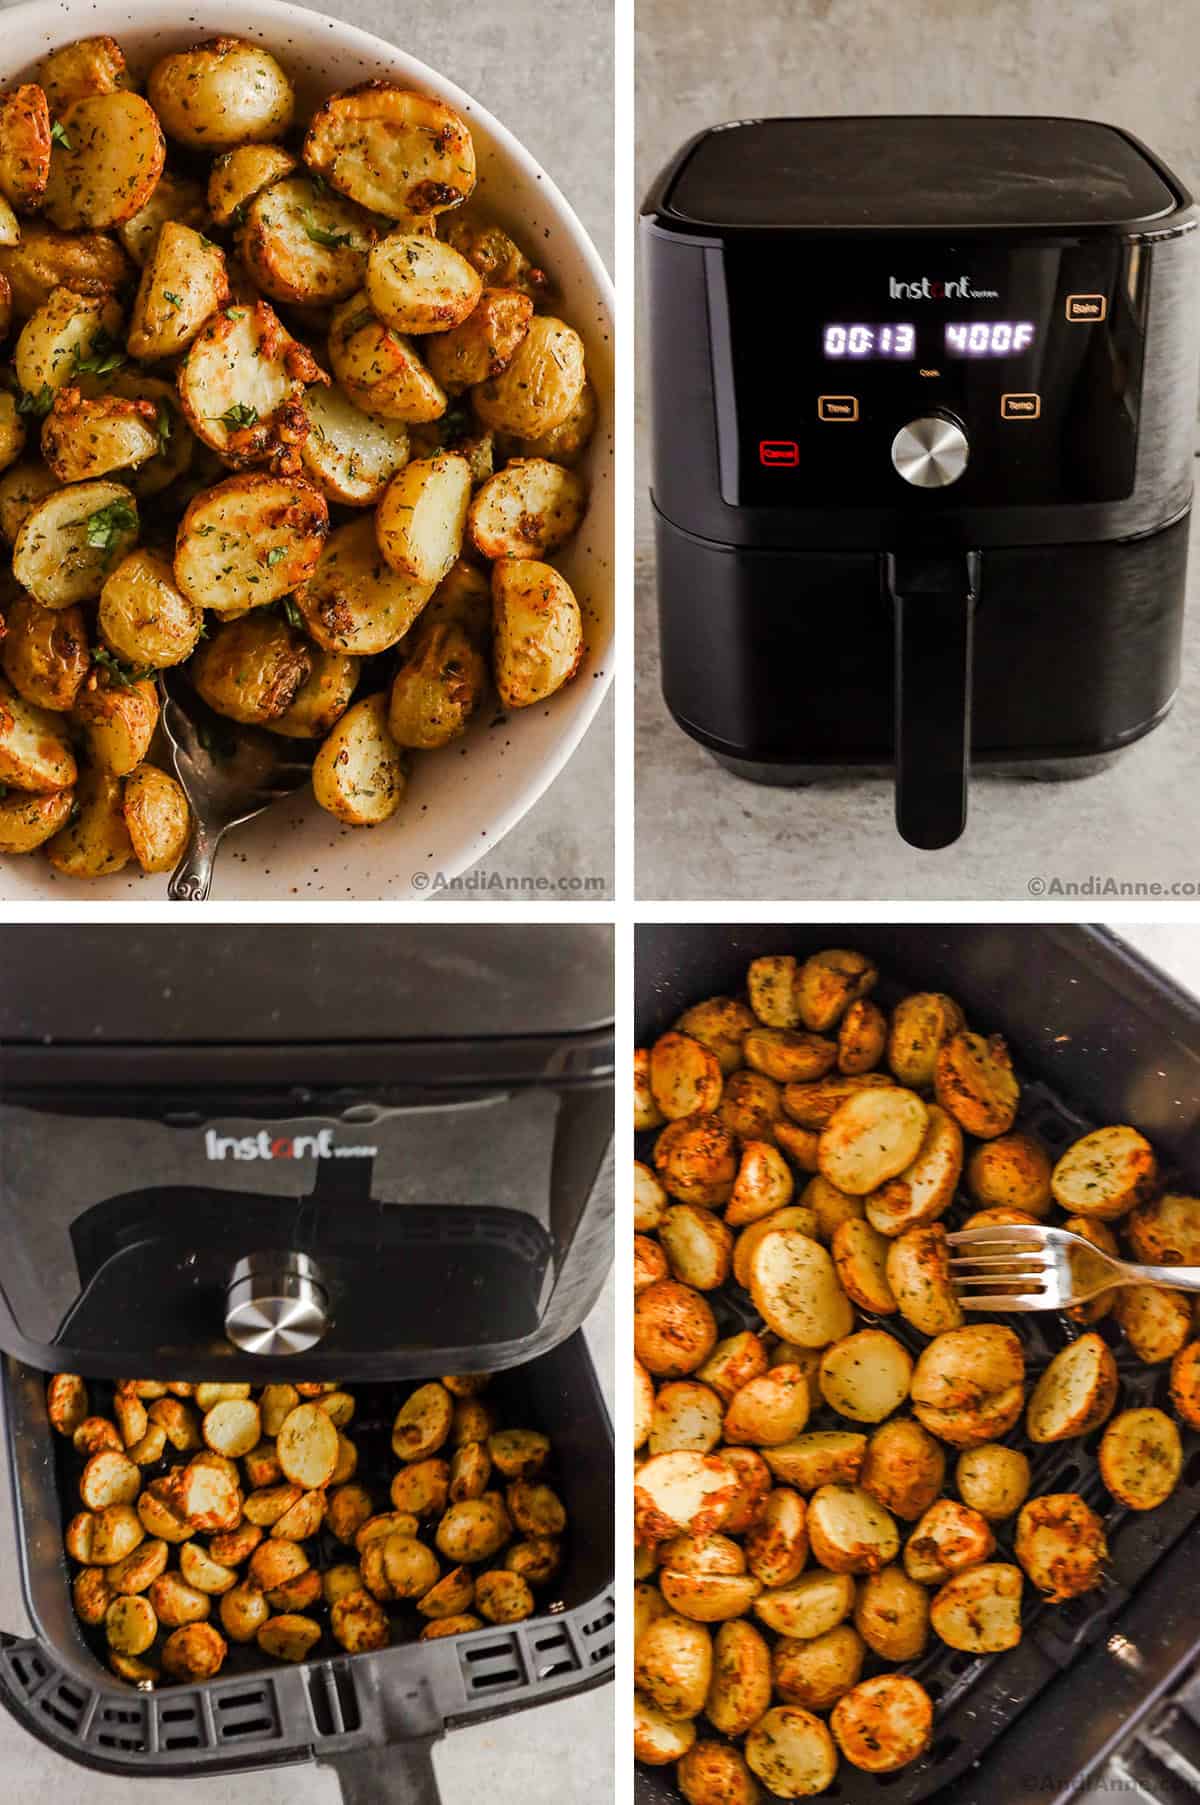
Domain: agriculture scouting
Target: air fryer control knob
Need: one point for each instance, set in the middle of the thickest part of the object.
(276, 1303)
(931, 452)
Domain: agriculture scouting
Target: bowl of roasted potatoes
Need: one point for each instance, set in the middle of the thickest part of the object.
(855, 1500)
(219, 1526)
(305, 420)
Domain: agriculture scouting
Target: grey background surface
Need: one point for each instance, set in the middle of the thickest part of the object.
(703, 833)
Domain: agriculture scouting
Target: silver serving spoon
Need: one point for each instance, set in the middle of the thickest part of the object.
(229, 774)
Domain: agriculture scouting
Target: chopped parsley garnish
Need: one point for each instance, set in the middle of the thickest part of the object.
(176, 301)
(58, 135)
(105, 356)
(242, 413)
(322, 234)
(317, 182)
(235, 313)
(275, 556)
(107, 526)
(125, 674)
(163, 427)
(292, 614)
(39, 403)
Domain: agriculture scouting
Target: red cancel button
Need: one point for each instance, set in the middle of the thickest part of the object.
(778, 451)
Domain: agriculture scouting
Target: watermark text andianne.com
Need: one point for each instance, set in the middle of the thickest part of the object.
(1098, 884)
(506, 883)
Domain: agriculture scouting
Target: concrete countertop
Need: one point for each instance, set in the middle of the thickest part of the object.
(705, 834)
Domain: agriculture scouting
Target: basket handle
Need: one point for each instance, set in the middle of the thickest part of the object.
(401, 1773)
(933, 598)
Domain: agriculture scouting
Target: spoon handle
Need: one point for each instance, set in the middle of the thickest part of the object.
(192, 878)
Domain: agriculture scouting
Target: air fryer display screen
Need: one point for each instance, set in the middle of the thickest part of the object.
(1032, 347)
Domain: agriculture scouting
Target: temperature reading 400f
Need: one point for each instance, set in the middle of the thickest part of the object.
(989, 338)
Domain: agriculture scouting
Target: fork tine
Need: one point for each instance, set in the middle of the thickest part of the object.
(1032, 1281)
(1022, 1256)
(1000, 1231)
(1001, 1302)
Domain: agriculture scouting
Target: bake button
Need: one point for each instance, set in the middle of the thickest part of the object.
(837, 407)
(1020, 407)
(1083, 310)
(775, 452)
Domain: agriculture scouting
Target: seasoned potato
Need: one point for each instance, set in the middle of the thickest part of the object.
(438, 688)
(392, 151)
(770, 1409)
(350, 455)
(109, 1478)
(108, 154)
(246, 541)
(816, 1673)
(712, 1773)
(84, 438)
(1105, 1173)
(866, 1376)
(1165, 1232)
(251, 669)
(95, 842)
(87, 263)
(358, 1622)
(787, 1055)
(1156, 1323)
(301, 243)
(476, 1529)
(130, 1624)
(275, 1404)
(157, 818)
(529, 508)
(422, 517)
(918, 1271)
(1141, 1458)
(183, 283)
(238, 175)
(44, 653)
(419, 284)
(680, 1492)
(195, 1652)
(771, 987)
(827, 984)
(721, 1025)
(354, 602)
(812, 1105)
(566, 442)
(891, 1614)
(389, 1522)
(685, 1077)
(277, 1563)
(752, 1484)
(968, 1386)
(204, 1574)
(862, 1037)
(777, 1543)
(697, 1245)
(175, 198)
(925, 1189)
(540, 384)
(883, 1723)
(68, 542)
(453, 1594)
(243, 1611)
(830, 1207)
(232, 1427)
(235, 1545)
(206, 1492)
(1185, 1383)
(949, 1538)
(484, 342)
(289, 1637)
(696, 1160)
(1060, 1544)
(796, 1290)
(993, 1480)
(242, 387)
(979, 1611)
(904, 1468)
(21, 487)
(1076, 1393)
(535, 1509)
(117, 720)
(1012, 1171)
(740, 1688)
(221, 93)
(66, 1402)
(503, 1597)
(91, 1595)
(657, 1738)
(751, 1105)
(12, 430)
(423, 1423)
(307, 1447)
(792, 1752)
(459, 1626)
(872, 1137)
(359, 774)
(919, 1027)
(87, 66)
(861, 1255)
(158, 1516)
(25, 146)
(974, 1083)
(379, 369)
(422, 1487)
(763, 1185)
(849, 1531)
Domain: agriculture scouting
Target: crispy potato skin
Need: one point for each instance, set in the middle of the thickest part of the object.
(220, 94)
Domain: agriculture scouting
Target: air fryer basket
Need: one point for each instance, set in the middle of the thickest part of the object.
(373, 1717)
(1097, 1036)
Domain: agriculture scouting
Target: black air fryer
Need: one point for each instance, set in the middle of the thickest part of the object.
(356, 1153)
(924, 396)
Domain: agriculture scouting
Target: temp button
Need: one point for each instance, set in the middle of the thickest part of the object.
(1020, 407)
(837, 407)
(1083, 310)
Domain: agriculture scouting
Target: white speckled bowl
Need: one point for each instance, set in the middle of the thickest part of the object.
(462, 800)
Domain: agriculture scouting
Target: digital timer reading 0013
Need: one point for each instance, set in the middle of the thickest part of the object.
(989, 338)
(898, 340)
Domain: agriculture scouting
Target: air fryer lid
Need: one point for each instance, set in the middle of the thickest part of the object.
(336, 1181)
(960, 173)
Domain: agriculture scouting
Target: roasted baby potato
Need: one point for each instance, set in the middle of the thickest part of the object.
(359, 774)
(25, 146)
(974, 1083)
(791, 1751)
(866, 1376)
(394, 152)
(252, 669)
(891, 1614)
(143, 617)
(1105, 1174)
(302, 243)
(483, 344)
(1013, 1172)
(795, 1287)
(221, 93)
(1076, 1393)
(95, 841)
(918, 1272)
(993, 1480)
(849, 1531)
(352, 456)
(68, 542)
(117, 721)
(538, 631)
(353, 602)
(904, 1468)
(979, 1610)
(245, 542)
(526, 510)
(872, 1137)
(108, 154)
(1141, 1458)
(1061, 1545)
(883, 1723)
(416, 283)
(378, 368)
(44, 654)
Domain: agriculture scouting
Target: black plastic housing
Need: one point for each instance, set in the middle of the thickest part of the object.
(775, 518)
(1097, 1035)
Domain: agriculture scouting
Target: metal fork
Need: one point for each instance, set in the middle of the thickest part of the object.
(1045, 1268)
(229, 774)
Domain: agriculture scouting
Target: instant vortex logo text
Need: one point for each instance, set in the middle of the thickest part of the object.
(322, 1145)
(929, 288)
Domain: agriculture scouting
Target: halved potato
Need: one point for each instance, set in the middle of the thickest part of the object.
(266, 1505)
(108, 154)
(1185, 1383)
(68, 542)
(1141, 1458)
(828, 982)
(904, 1468)
(770, 1409)
(232, 1427)
(251, 669)
(143, 617)
(979, 1611)
(22, 486)
(566, 442)
(795, 1288)
(422, 517)
(866, 1376)
(302, 243)
(682, 1492)
(25, 146)
(66, 1402)
(883, 1723)
(118, 720)
(109, 1478)
(244, 1610)
(993, 1480)
(358, 1622)
(84, 438)
(351, 456)
(861, 1255)
(28, 821)
(891, 1614)
(792, 1752)
(968, 1386)
(483, 344)
(246, 541)
(391, 150)
(740, 1689)
(359, 774)
(195, 1652)
(354, 602)
(477, 1529)
(1012, 1171)
(788, 1055)
(657, 1738)
(712, 1773)
(61, 333)
(175, 198)
(684, 1076)
(708, 1597)
(763, 1185)
(289, 1637)
(183, 284)
(307, 1447)
(816, 1673)
(1167, 1231)
(948, 1538)
(88, 263)
(538, 631)
(830, 1207)
(1156, 1323)
(918, 1270)
(130, 1624)
(872, 1137)
(91, 1595)
(207, 1493)
(697, 1245)
(439, 687)
(1060, 1543)
(751, 1105)
(672, 1664)
(925, 1189)
(422, 1487)
(322, 699)
(777, 1544)
(813, 1105)
(1105, 1173)
(526, 510)
(862, 1037)
(974, 1083)
(95, 842)
(849, 1531)
(238, 175)
(423, 1422)
(220, 93)
(379, 369)
(44, 653)
(696, 1160)
(418, 284)
(242, 386)
(1076, 1393)
(203, 1573)
(540, 384)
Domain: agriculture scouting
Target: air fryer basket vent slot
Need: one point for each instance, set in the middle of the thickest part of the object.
(333, 1698)
(488, 1666)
